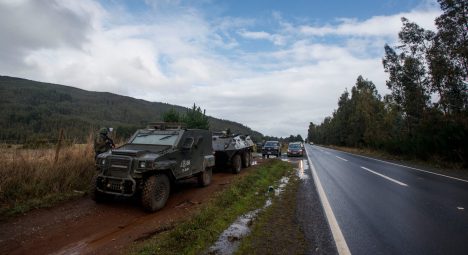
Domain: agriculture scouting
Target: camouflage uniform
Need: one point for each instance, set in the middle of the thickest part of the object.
(102, 142)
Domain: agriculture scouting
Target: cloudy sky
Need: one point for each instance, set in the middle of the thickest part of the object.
(273, 65)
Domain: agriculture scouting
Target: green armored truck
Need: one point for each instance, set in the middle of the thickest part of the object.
(152, 160)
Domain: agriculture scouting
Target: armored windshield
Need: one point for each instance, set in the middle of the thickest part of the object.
(155, 139)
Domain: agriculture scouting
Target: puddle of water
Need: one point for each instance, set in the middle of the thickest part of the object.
(283, 182)
(301, 170)
(74, 249)
(268, 203)
(230, 239)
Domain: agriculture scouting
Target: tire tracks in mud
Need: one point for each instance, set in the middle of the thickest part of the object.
(84, 227)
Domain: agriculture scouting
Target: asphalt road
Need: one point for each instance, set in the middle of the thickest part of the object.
(383, 208)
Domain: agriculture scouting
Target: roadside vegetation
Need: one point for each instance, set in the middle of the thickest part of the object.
(31, 178)
(426, 114)
(195, 235)
(276, 230)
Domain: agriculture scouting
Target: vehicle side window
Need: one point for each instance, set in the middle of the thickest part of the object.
(199, 141)
(188, 143)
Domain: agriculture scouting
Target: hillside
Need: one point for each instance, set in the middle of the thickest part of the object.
(31, 110)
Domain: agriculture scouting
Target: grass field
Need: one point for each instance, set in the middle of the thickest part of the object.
(30, 178)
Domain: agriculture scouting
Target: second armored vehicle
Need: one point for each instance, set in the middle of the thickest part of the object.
(232, 150)
(151, 161)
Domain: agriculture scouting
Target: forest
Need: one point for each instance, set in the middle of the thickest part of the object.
(33, 113)
(426, 114)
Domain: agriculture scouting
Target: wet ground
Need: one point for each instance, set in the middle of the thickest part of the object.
(84, 227)
(310, 215)
(295, 224)
(229, 241)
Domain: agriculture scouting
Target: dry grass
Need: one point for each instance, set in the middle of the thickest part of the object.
(30, 178)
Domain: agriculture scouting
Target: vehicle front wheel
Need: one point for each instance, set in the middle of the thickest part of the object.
(155, 192)
(204, 178)
(246, 159)
(97, 196)
(236, 164)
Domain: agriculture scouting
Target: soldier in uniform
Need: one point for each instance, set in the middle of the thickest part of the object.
(102, 142)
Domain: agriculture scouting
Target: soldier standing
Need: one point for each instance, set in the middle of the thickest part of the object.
(102, 142)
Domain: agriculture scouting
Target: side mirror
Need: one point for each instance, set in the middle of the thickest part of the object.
(188, 143)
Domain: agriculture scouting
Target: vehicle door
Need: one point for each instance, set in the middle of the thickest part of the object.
(198, 152)
(184, 167)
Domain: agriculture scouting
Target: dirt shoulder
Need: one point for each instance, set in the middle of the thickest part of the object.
(295, 222)
(84, 227)
(277, 231)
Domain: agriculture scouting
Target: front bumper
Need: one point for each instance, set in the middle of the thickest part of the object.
(295, 153)
(115, 177)
(116, 186)
(270, 152)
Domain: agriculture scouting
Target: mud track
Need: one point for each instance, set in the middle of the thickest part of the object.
(84, 227)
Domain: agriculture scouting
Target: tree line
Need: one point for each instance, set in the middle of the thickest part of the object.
(426, 113)
(193, 118)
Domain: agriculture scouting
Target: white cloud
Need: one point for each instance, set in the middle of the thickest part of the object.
(377, 26)
(183, 56)
(255, 35)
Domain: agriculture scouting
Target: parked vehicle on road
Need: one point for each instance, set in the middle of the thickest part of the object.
(152, 160)
(232, 150)
(271, 148)
(295, 149)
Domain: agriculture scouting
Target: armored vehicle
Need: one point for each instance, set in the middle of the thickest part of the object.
(152, 160)
(232, 150)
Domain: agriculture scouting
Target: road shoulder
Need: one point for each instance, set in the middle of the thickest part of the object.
(461, 173)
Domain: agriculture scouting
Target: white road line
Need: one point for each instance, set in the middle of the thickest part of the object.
(340, 241)
(384, 176)
(409, 167)
(341, 158)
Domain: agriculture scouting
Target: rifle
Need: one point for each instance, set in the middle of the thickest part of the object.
(110, 142)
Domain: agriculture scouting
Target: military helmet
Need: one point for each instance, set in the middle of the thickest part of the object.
(103, 131)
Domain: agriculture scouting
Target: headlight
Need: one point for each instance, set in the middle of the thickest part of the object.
(142, 164)
(103, 161)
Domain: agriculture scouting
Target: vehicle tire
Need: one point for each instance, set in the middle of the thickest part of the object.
(204, 178)
(263, 155)
(268, 156)
(155, 192)
(97, 196)
(236, 164)
(250, 159)
(246, 159)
